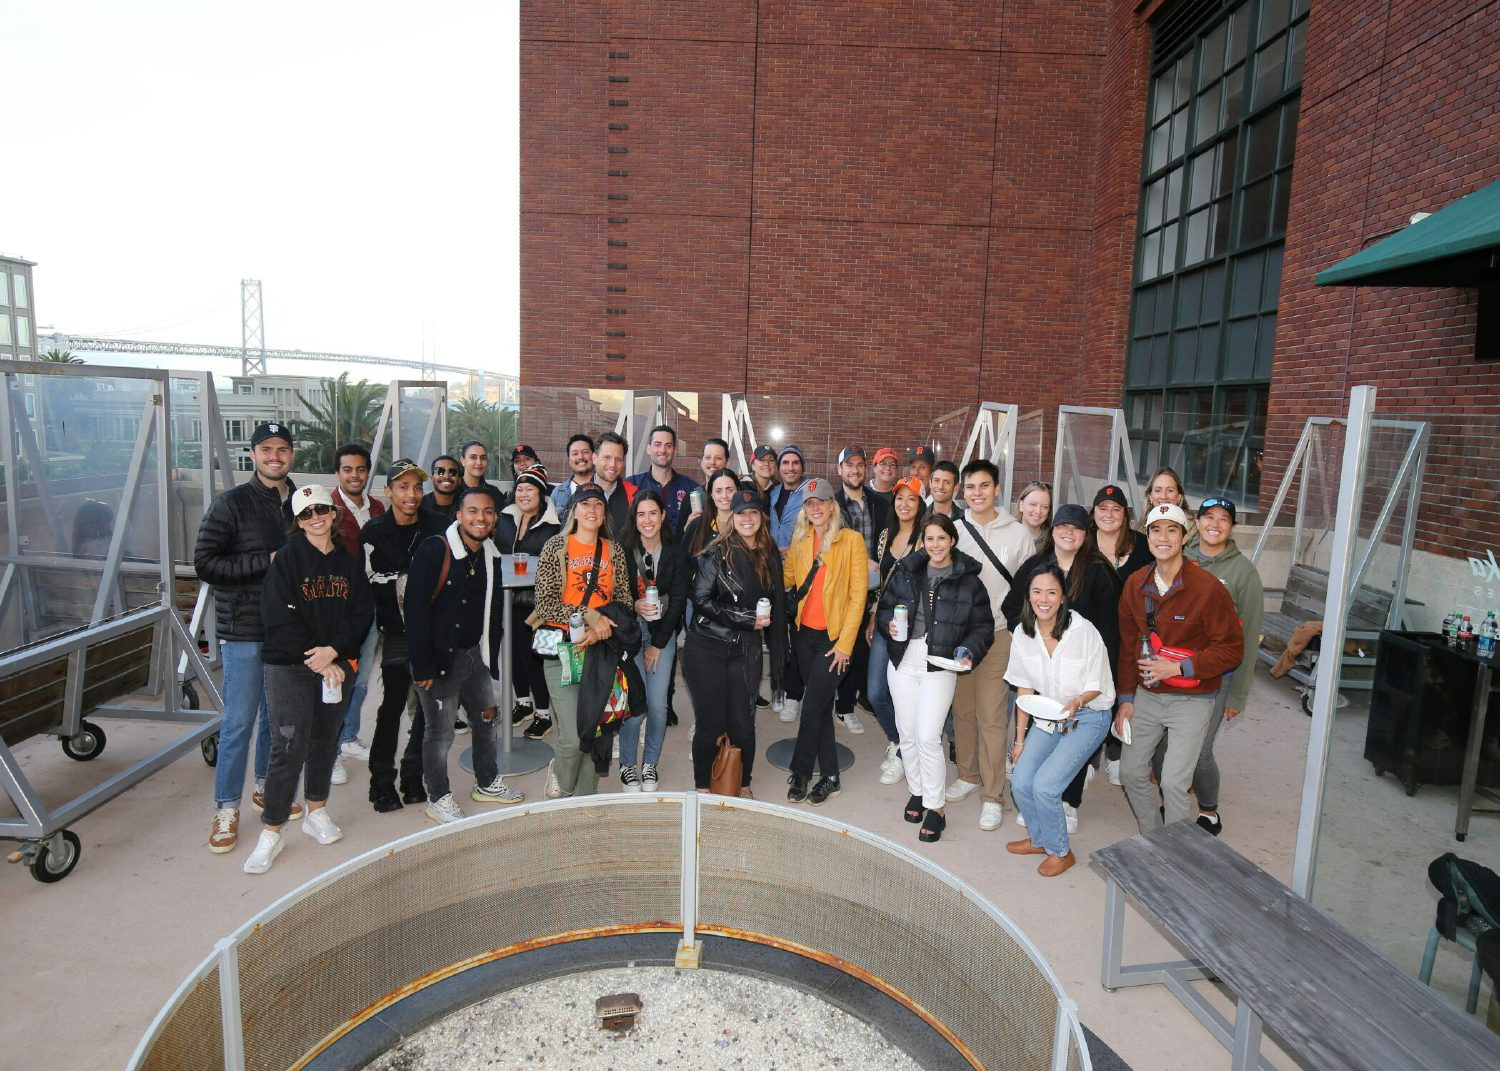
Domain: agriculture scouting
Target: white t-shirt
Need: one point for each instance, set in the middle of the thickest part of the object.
(1079, 664)
(361, 513)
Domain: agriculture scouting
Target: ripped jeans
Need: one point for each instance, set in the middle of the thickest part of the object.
(304, 738)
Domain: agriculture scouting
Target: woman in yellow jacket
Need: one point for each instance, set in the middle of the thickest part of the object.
(827, 567)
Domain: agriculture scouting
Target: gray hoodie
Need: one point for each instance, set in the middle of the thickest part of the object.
(1237, 573)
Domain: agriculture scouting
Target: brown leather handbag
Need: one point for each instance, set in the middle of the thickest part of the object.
(729, 769)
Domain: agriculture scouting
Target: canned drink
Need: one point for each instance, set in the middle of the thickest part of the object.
(900, 619)
(575, 627)
(332, 693)
(763, 610)
(653, 599)
(695, 500)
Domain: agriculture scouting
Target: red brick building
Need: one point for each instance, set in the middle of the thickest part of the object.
(879, 210)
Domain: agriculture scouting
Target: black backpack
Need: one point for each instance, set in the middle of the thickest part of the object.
(1467, 889)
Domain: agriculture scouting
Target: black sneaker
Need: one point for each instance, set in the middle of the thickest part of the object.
(671, 717)
(798, 790)
(413, 792)
(1211, 823)
(386, 801)
(538, 727)
(520, 712)
(826, 786)
(460, 726)
(762, 702)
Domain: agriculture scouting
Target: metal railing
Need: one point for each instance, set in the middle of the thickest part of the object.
(326, 957)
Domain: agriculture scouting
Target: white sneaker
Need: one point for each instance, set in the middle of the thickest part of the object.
(1112, 771)
(355, 749)
(340, 775)
(649, 779)
(1070, 815)
(320, 827)
(266, 850)
(445, 810)
(960, 789)
(630, 781)
(990, 816)
(789, 710)
(1021, 818)
(497, 791)
(1088, 774)
(892, 769)
(553, 791)
(852, 723)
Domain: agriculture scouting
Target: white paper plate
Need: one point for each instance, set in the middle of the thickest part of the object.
(1039, 706)
(948, 663)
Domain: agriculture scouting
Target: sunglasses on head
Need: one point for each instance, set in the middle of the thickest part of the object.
(314, 511)
(1209, 503)
(445, 472)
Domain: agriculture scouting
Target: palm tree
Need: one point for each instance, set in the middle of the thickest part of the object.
(491, 424)
(60, 357)
(347, 412)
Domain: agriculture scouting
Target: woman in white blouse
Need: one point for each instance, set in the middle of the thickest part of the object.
(1056, 654)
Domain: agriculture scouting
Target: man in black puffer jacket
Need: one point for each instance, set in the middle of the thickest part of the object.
(240, 534)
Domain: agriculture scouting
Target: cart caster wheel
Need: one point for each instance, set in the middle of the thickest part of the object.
(50, 866)
(209, 745)
(1380, 771)
(1307, 703)
(1411, 790)
(86, 744)
(190, 697)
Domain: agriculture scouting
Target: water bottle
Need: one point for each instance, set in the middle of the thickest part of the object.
(903, 628)
(1146, 654)
(575, 627)
(1465, 633)
(1489, 633)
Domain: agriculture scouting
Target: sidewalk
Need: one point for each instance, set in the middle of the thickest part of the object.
(90, 960)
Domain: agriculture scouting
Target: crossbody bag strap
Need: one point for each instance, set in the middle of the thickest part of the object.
(593, 584)
(804, 587)
(988, 553)
(443, 572)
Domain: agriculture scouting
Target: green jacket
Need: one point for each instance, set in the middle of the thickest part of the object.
(1237, 573)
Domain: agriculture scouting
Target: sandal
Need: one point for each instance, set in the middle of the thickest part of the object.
(746, 794)
(915, 810)
(932, 827)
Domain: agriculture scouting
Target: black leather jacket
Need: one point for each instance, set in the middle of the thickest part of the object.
(240, 531)
(724, 597)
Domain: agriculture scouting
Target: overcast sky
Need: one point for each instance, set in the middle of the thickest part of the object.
(357, 158)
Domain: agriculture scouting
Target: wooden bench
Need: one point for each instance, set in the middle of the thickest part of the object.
(1305, 599)
(1328, 998)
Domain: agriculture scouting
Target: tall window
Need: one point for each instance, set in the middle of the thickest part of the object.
(1215, 184)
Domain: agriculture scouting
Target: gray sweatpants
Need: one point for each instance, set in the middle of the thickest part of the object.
(1183, 720)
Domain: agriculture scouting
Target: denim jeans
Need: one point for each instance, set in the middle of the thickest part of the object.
(656, 706)
(1047, 764)
(367, 664)
(469, 687)
(244, 706)
(305, 740)
(878, 688)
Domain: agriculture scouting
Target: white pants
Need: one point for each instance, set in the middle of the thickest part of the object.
(922, 698)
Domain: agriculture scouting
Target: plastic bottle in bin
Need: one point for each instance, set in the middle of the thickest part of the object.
(1146, 654)
(1489, 634)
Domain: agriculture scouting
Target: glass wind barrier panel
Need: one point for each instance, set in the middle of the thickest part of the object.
(1030, 463)
(1084, 451)
(420, 436)
(73, 443)
(1214, 456)
(1406, 724)
(948, 435)
(548, 415)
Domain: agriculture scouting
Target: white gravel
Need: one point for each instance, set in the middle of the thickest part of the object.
(690, 1019)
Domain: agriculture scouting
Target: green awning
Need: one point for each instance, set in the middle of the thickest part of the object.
(1451, 247)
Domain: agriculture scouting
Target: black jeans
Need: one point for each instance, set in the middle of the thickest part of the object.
(815, 743)
(526, 665)
(398, 698)
(852, 687)
(723, 679)
(304, 738)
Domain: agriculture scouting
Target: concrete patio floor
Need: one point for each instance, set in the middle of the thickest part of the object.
(91, 959)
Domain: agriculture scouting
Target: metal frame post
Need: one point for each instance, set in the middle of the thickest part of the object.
(1325, 694)
(736, 429)
(690, 951)
(231, 1019)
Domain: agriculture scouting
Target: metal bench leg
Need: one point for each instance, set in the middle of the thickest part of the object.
(1246, 1050)
(1429, 957)
(1110, 975)
(1474, 980)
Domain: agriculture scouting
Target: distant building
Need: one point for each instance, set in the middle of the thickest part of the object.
(249, 400)
(17, 310)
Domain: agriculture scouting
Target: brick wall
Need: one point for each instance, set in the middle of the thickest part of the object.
(1399, 115)
(886, 209)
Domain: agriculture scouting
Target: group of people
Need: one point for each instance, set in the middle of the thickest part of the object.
(1024, 638)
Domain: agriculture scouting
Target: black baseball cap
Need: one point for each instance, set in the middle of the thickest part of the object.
(1223, 503)
(851, 451)
(924, 453)
(1111, 493)
(271, 430)
(523, 451)
(589, 491)
(744, 499)
(1071, 513)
